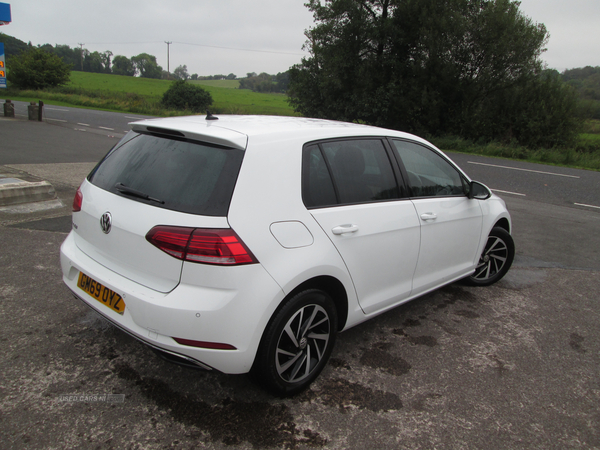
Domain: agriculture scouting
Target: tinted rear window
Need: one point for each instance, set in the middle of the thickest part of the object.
(179, 175)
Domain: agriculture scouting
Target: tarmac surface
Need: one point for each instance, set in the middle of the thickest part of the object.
(512, 366)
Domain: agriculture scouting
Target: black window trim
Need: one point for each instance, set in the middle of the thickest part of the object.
(399, 177)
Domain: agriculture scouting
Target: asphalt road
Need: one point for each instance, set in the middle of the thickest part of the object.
(512, 366)
(80, 119)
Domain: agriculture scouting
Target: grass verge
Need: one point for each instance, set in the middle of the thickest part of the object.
(586, 154)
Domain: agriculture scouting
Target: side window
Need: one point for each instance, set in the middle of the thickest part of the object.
(348, 171)
(429, 175)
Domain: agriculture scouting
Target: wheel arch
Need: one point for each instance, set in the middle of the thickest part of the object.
(333, 287)
(503, 223)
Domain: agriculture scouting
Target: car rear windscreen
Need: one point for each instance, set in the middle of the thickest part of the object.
(171, 173)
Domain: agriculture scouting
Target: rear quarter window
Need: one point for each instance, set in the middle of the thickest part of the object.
(177, 174)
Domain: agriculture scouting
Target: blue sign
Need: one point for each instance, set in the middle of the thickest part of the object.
(5, 14)
(2, 67)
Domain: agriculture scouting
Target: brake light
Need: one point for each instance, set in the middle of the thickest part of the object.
(201, 245)
(78, 200)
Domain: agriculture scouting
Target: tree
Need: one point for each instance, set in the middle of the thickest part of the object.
(182, 95)
(181, 73)
(146, 65)
(123, 66)
(105, 57)
(37, 69)
(68, 55)
(92, 62)
(427, 66)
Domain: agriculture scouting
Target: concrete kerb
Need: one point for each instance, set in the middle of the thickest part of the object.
(16, 191)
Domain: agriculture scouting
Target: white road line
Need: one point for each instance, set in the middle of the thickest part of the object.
(83, 124)
(57, 120)
(524, 170)
(105, 128)
(587, 206)
(508, 192)
(54, 109)
(79, 129)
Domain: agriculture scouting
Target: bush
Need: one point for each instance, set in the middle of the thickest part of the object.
(37, 69)
(182, 95)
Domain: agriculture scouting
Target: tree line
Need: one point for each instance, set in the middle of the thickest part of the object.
(468, 68)
(143, 65)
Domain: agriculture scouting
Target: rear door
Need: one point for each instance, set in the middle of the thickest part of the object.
(352, 191)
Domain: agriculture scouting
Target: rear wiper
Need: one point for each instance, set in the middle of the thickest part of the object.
(135, 193)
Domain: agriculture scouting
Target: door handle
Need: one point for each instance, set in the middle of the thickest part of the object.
(428, 216)
(343, 229)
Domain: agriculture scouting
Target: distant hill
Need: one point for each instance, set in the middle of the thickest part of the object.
(12, 46)
(586, 82)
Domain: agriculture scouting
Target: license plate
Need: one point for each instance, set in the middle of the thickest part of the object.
(101, 293)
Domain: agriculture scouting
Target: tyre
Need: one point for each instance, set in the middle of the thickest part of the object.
(496, 259)
(297, 343)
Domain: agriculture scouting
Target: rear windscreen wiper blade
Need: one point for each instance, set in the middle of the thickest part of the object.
(135, 193)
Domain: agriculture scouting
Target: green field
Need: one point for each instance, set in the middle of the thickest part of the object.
(231, 84)
(226, 97)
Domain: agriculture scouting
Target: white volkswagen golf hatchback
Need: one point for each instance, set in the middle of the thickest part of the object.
(246, 243)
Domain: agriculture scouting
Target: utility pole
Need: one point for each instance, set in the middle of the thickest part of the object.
(81, 45)
(168, 68)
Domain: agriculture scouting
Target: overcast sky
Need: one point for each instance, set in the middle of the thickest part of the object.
(241, 36)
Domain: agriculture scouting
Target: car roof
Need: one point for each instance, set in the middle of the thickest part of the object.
(237, 130)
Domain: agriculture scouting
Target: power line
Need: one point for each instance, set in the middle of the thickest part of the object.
(241, 49)
(200, 45)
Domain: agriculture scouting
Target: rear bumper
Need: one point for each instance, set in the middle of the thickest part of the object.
(229, 305)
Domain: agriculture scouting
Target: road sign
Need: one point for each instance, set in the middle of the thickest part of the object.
(2, 67)
(5, 17)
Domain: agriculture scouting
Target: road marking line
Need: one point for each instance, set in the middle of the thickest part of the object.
(55, 109)
(508, 192)
(57, 120)
(587, 206)
(105, 128)
(524, 170)
(83, 124)
(79, 129)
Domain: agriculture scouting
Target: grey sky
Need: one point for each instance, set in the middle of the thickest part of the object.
(240, 36)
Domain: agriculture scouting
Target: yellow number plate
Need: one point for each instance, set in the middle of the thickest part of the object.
(101, 293)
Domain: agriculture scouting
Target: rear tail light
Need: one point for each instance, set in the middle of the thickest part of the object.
(201, 245)
(78, 200)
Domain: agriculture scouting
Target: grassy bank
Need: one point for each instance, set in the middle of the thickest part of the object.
(584, 155)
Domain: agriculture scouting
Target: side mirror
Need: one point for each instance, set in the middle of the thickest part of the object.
(479, 191)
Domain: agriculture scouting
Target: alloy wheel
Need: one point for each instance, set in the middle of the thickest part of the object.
(302, 343)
